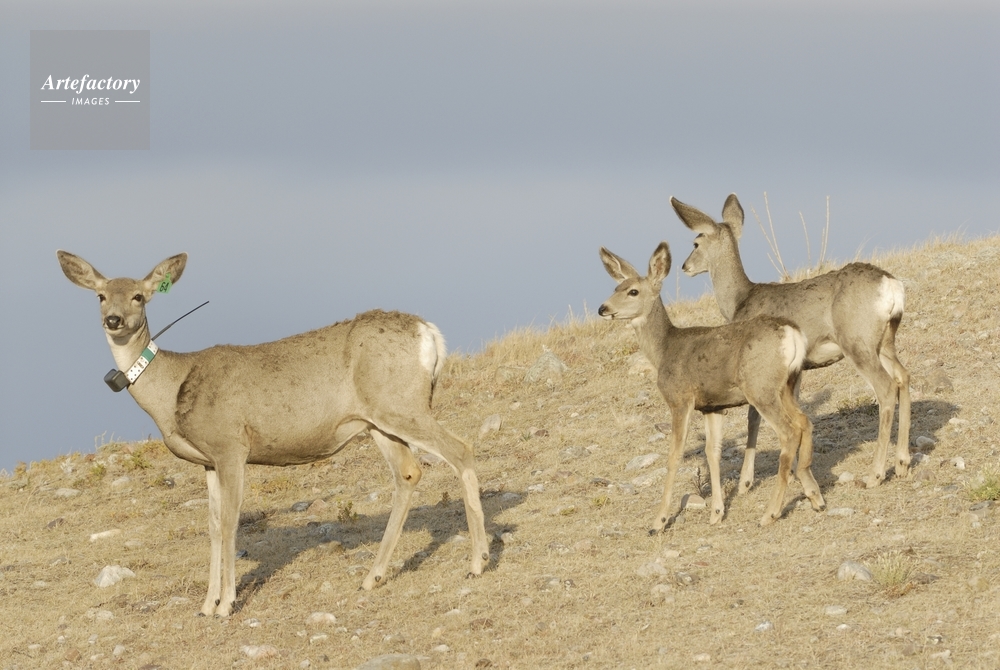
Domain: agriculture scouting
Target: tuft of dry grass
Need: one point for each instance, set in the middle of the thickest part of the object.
(892, 571)
(575, 580)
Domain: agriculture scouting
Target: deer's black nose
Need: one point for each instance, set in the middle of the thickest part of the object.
(113, 321)
(602, 310)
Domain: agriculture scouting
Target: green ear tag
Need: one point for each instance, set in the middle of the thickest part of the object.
(164, 286)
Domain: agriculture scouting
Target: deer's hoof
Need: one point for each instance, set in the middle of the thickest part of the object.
(768, 519)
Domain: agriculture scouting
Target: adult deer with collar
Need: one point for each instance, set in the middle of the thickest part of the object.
(853, 312)
(288, 402)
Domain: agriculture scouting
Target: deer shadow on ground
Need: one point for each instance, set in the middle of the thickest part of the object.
(836, 435)
(339, 537)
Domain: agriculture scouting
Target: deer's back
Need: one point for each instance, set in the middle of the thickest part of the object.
(826, 307)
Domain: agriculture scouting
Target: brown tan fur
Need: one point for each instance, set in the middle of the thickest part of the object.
(711, 369)
(288, 402)
(853, 312)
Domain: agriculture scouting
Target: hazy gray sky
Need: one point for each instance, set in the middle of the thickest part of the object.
(464, 161)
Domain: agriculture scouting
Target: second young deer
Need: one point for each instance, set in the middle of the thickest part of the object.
(710, 369)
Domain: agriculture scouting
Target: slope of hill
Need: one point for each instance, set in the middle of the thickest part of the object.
(576, 580)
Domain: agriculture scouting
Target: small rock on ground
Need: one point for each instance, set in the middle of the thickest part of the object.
(112, 574)
(259, 651)
(640, 462)
(548, 366)
(835, 610)
(492, 424)
(853, 570)
(391, 662)
(692, 501)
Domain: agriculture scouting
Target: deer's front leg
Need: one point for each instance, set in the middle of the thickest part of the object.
(680, 417)
(713, 452)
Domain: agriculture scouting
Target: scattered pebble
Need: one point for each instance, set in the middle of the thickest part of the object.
(701, 658)
(845, 478)
(958, 462)
(835, 610)
(692, 501)
(979, 583)
(112, 574)
(391, 662)
(652, 569)
(656, 437)
(650, 478)
(923, 442)
(662, 593)
(573, 453)
(121, 482)
(764, 626)
(641, 462)
(66, 493)
(671, 553)
(686, 578)
(321, 618)
(840, 511)
(853, 570)
(547, 367)
(196, 502)
(259, 651)
(492, 424)
(105, 534)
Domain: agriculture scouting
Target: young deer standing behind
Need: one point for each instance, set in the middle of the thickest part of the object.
(854, 312)
(711, 369)
(288, 402)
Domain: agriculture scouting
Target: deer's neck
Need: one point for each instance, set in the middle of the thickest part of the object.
(730, 283)
(127, 350)
(653, 331)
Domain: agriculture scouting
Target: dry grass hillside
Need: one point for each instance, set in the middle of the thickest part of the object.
(576, 581)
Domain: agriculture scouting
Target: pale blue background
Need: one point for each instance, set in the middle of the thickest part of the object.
(464, 161)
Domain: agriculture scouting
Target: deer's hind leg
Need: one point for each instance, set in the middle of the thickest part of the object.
(803, 470)
(424, 432)
(899, 374)
(749, 455)
(405, 473)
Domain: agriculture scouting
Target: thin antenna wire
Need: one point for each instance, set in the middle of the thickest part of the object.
(178, 319)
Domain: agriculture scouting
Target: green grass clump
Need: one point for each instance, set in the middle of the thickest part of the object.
(984, 487)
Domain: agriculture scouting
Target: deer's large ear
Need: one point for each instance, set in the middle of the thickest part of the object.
(619, 268)
(732, 214)
(693, 218)
(659, 263)
(174, 266)
(80, 272)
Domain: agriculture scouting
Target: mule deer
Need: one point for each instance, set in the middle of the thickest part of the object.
(288, 402)
(853, 312)
(711, 369)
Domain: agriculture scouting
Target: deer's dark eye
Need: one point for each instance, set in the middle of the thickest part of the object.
(137, 297)
(101, 297)
(634, 292)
